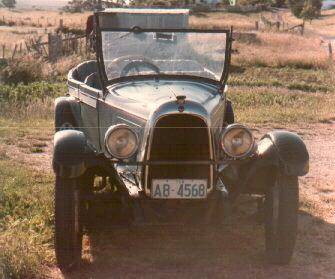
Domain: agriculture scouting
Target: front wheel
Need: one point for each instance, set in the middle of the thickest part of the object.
(281, 217)
(68, 230)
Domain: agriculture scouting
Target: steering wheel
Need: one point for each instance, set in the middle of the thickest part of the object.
(130, 63)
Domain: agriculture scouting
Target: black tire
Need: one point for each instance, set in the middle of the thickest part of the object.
(281, 218)
(68, 228)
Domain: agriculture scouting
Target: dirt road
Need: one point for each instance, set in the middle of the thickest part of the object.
(236, 251)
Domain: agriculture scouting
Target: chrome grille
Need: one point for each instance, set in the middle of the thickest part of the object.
(179, 137)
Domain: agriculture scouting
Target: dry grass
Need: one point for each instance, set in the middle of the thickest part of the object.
(282, 49)
(44, 19)
(223, 20)
(28, 24)
(9, 35)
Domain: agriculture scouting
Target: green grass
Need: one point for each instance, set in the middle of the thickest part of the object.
(270, 105)
(293, 79)
(26, 221)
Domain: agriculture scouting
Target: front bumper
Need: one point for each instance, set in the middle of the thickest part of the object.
(131, 174)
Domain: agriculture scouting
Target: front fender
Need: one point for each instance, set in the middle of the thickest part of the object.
(71, 153)
(286, 150)
(67, 109)
(277, 151)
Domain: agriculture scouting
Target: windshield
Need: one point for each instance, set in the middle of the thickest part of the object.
(195, 53)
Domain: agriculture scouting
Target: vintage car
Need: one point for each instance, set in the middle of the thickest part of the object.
(151, 122)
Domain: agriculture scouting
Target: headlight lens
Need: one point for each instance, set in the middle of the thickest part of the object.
(121, 142)
(237, 141)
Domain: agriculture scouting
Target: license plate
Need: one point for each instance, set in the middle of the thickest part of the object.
(179, 189)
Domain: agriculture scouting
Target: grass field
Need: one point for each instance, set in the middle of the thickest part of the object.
(277, 81)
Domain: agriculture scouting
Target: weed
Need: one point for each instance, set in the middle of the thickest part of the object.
(40, 144)
(25, 221)
(22, 71)
(36, 149)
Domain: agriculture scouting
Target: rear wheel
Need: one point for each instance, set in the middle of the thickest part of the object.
(68, 228)
(281, 216)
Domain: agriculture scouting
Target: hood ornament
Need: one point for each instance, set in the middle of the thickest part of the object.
(181, 99)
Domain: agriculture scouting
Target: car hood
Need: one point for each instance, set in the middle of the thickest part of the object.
(143, 98)
(141, 103)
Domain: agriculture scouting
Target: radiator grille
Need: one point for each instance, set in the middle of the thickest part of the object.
(180, 138)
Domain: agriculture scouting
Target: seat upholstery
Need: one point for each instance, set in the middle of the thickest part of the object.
(93, 81)
(84, 70)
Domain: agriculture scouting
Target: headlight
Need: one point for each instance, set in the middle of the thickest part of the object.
(237, 141)
(121, 142)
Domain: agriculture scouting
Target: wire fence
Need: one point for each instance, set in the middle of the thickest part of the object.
(279, 26)
(56, 46)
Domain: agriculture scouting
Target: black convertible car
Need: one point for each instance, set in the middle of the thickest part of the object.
(149, 124)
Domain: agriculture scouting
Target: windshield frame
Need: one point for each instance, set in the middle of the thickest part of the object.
(101, 64)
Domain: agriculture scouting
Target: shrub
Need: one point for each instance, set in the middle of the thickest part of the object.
(25, 94)
(22, 71)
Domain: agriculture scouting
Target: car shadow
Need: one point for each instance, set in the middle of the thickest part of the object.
(235, 250)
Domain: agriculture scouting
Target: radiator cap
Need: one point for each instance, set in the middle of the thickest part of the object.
(181, 99)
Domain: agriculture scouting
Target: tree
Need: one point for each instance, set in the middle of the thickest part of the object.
(311, 10)
(90, 5)
(9, 3)
(306, 9)
(296, 7)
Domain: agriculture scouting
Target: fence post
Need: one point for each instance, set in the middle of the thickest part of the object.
(256, 25)
(14, 51)
(54, 46)
(61, 24)
(278, 25)
(3, 51)
(330, 48)
(27, 46)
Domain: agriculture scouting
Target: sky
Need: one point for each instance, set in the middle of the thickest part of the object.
(328, 3)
